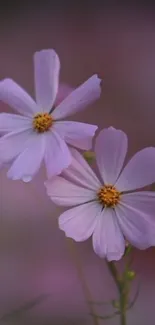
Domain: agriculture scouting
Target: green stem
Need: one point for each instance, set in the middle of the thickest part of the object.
(122, 286)
(123, 318)
(113, 270)
(123, 304)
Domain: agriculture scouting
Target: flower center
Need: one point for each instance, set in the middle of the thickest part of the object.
(109, 196)
(42, 122)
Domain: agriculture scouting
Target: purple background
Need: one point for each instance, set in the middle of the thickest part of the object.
(118, 43)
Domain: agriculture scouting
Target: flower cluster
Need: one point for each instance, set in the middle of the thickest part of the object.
(112, 208)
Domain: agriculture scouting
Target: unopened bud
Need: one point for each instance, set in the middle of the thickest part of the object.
(131, 275)
(89, 156)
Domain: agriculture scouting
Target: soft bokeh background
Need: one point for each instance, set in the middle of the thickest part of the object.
(37, 268)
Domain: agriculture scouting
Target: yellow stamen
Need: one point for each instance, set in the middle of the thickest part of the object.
(42, 122)
(109, 196)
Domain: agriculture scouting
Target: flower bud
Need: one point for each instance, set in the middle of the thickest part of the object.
(131, 275)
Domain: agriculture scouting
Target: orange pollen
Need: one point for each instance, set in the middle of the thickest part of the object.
(109, 196)
(42, 122)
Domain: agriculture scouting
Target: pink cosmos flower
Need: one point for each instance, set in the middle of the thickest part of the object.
(41, 133)
(108, 209)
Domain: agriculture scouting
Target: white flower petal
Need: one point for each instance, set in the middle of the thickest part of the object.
(28, 162)
(81, 97)
(13, 143)
(57, 154)
(80, 172)
(137, 225)
(13, 122)
(79, 222)
(110, 149)
(76, 134)
(47, 67)
(139, 172)
(62, 192)
(16, 97)
(108, 240)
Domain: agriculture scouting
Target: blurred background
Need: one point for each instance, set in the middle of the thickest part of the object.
(39, 282)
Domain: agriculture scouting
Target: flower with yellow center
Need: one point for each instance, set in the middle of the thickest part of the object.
(42, 122)
(109, 196)
(40, 133)
(113, 213)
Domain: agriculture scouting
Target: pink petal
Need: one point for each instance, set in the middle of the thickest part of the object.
(57, 154)
(143, 201)
(17, 98)
(135, 214)
(110, 149)
(63, 91)
(144, 205)
(108, 241)
(13, 143)
(76, 134)
(47, 67)
(139, 172)
(80, 172)
(81, 97)
(13, 122)
(79, 222)
(28, 162)
(63, 192)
